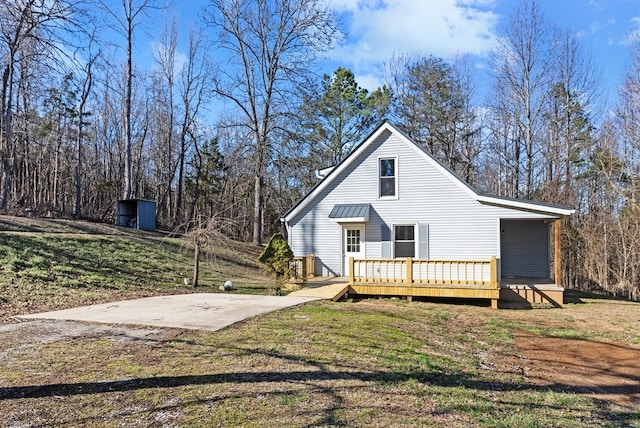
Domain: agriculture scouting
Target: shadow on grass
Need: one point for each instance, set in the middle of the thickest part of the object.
(436, 379)
(347, 376)
(101, 258)
(577, 296)
(455, 380)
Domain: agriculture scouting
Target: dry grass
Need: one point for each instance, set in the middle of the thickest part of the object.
(366, 363)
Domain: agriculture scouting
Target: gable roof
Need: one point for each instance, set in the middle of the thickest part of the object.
(333, 172)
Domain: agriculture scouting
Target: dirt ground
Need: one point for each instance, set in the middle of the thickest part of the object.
(607, 371)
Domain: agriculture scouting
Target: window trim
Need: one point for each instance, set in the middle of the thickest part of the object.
(395, 177)
(415, 238)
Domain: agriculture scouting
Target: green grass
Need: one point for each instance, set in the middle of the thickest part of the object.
(369, 363)
(52, 265)
(372, 363)
(105, 261)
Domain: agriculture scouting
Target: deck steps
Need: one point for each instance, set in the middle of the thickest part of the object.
(328, 292)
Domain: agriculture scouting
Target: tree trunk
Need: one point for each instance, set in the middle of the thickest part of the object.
(5, 140)
(179, 211)
(127, 107)
(86, 89)
(257, 210)
(196, 263)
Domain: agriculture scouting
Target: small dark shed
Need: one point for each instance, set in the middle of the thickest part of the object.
(137, 214)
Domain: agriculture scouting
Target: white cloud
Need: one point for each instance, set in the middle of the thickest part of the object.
(595, 4)
(378, 29)
(593, 29)
(371, 81)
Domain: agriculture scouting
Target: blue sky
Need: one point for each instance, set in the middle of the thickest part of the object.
(378, 29)
(374, 30)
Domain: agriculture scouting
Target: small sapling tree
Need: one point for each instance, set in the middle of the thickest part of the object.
(276, 258)
(205, 234)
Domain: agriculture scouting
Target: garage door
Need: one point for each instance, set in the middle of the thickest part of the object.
(524, 248)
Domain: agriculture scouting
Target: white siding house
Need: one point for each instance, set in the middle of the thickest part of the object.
(390, 199)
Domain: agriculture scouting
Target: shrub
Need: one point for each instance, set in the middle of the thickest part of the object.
(276, 257)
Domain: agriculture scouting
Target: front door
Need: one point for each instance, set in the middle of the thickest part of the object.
(352, 245)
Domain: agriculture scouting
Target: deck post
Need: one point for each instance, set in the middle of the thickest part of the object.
(351, 273)
(409, 278)
(311, 270)
(304, 268)
(557, 252)
(493, 267)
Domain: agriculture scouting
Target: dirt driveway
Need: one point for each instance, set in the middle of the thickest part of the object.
(605, 366)
(607, 371)
(201, 311)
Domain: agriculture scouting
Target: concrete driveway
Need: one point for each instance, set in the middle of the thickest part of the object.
(202, 311)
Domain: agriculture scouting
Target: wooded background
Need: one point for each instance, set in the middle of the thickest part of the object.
(233, 128)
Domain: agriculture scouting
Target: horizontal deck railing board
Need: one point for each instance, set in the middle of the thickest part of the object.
(459, 273)
(444, 291)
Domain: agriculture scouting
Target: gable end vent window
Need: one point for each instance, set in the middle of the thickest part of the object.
(387, 177)
(404, 241)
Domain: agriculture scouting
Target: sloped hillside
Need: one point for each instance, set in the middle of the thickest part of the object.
(50, 264)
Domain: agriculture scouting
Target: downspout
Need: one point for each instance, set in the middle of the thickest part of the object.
(284, 227)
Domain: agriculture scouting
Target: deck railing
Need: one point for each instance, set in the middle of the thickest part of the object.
(302, 267)
(411, 272)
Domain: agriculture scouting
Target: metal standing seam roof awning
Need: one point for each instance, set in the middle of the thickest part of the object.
(350, 213)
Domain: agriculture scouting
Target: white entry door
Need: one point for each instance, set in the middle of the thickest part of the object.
(352, 245)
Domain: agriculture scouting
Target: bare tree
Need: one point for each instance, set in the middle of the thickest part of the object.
(270, 44)
(193, 87)
(523, 75)
(85, 91)
(628, 121)
(207, 234)
(126, 23)
(28, 28)
(163, 107)
(571, 106)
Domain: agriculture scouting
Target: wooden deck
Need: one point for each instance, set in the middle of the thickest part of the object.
(429, 278)
(468, 279)
(408, 278)
(302, 268)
